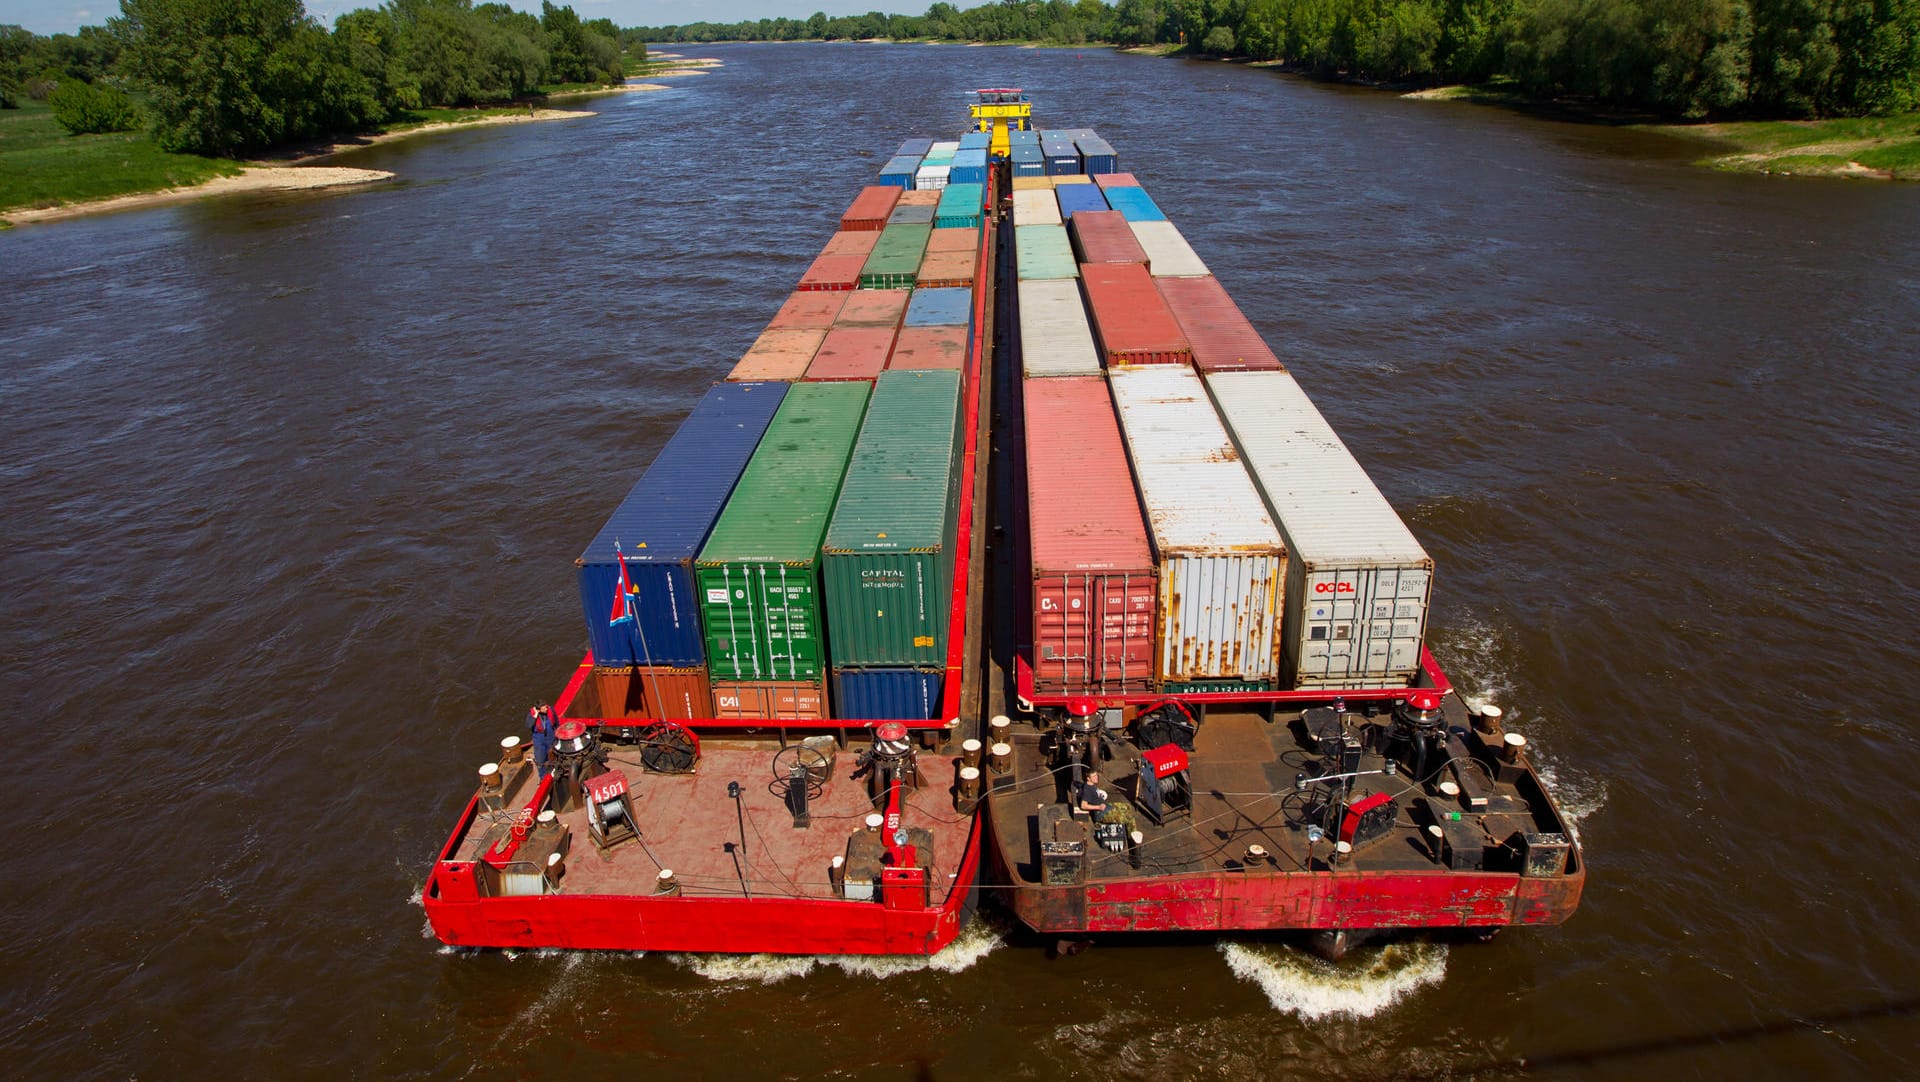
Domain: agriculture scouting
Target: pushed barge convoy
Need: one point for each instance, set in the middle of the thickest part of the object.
(1008, 451)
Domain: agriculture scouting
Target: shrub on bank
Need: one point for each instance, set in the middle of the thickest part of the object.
(85, 109)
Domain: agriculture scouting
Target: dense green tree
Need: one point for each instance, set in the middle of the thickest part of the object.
(85, 109)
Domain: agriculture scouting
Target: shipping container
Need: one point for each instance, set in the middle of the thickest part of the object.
(779, 355)
(895, 261)
(651, 691)
(947, 270)
(874, 308)
(912, 214)
(1168, 254)
(1222, 338)
(888, 554)
(931, 177)
(1055, 337)
(1043, 251)
(969, 167)
(808, 311)
(1135, 205)
(954, 240)
(870, 209)
(1130, 321)
(1023, 138)
(1358, 583)
(915, 147)
(1222, 563)
(794, 700)
(833, 271)
(898, 173)
(1027, 161)
(1068, 180)
(1093, 579)
(975, 140)
(1102, 236)
(1096, 155)
(919, 199)
(757, 577)
(960, 206)
(1062, 159)
(1031, 183)
(858, 242)
(1035, 207)
(930, 347)
(858, 353)
(1116, 180)
(887, 694)
(662, 523)
(944, 146)
(940, 308)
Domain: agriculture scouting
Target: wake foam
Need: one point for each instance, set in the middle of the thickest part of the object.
(1363, 985)
(979, 939)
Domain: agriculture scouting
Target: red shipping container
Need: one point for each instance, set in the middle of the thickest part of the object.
(930, 347)
(870, 208)
(778, 355)
(651, 691)
(808, 312)
(1131, 322)
(947, 270)
(768, 699)
(1103, 236)
(833, 271)
(858, 242)
(851, 353)
(874, 307)
(1115, 180)
(1094, 590)
(1222, 338)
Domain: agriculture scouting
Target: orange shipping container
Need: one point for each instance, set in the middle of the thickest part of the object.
(808, 311)
(778, 355)
(851, 353)
(930, 347)
(961, 239)
(874, 307)
(947, 270)
(653, 691)
(857, 242)
(772, 699)
(919, 197)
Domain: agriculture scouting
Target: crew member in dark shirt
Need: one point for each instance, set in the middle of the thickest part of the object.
(1091, 798)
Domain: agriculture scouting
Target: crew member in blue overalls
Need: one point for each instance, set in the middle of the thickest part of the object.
(540, 723)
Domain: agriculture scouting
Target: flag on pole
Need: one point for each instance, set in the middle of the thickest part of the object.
(623, 593)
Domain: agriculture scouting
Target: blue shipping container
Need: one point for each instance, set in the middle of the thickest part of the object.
(1027, 138)
(1027, 161)
(898, 173)
(969, 167)
(886, 693)
(1097, 156)
(1062, 159)
(1134, 204)
(1077, 197)
(940, 308)
(662, 524)
(976, 140)
(916, 147)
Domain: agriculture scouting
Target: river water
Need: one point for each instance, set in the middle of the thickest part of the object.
(292, 486)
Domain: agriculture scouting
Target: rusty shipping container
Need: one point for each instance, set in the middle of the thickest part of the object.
(1130, 320)
(874, 308)
(778, 355)
(870, 208)
(652, 691)
(1222, 338)
(1102, 236)
(808, 311)
(849, 353)
(1358, 582)
(930, 347)
(771, 699)
(1222, 562)
(1094, 583)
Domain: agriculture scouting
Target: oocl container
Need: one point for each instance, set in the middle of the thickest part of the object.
(1358, 583)
(1222, 563)
(888, 553)
(1094, 582)
(1135, 205)
(661, 525)
(1043, 251)
(1035, 206)
(929, 347)
(858, 353)
(870, 209)
(1102, 236)
(887, 693)
(1222, 338)
(1168, 254)
(757, 577)
(895, 261)
(778, 355)
(1130, 320)
(1055, 338)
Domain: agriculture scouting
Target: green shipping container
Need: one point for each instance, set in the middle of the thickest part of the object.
(895, 259)
(1042, 252)
(959, 206)
(758, 575)
(889, 551)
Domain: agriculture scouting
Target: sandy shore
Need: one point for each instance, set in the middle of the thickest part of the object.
(254, 178)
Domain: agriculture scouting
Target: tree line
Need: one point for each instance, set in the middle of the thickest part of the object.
(225, 77)
(1756, 58)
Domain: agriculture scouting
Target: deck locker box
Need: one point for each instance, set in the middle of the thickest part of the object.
(1358, 582)
(757, 577)
(1221, 562)
(661, 525)
(888, 553)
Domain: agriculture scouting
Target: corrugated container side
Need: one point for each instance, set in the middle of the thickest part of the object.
(960, 207)
(931, 177)
(1168, 254)
(1043, 251)
(898, 173)
(856, 353)
(874, 308)
(912, 214)
(661, 524)
(1036, 206)
(757, 577)
(771, 699)
(1222, 562)
(870, 208)
(1358, 583)
(930, 347)
(1116, 180)
(875, 694)
(652, 691)
(1102, 236)
(1130, 321)
(808, 311)
(1093, 578)
(1062, 159)
(940, 308)
(947, 270)
(888, 553)
(1027, 161)
(1096, 155)
(778, 355)
(895, 261)
(969, 167)
(1222, 338)
(1055, 337)
(1135, 205)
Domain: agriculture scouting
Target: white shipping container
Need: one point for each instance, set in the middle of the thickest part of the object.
(1358, 583)
(948, 147)
(931, 177)
(1055, 337)
(1036, 207)
(1168, 253)
(1222, 562)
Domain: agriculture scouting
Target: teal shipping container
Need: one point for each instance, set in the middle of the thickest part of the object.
(758, 576)
(888, 556)
(960, 207)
